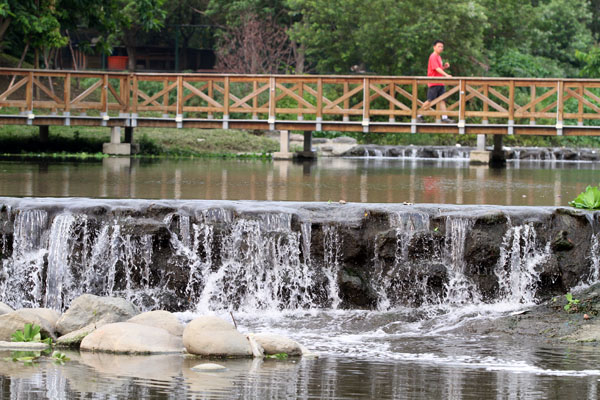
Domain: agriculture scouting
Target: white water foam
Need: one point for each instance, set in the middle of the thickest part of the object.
(459, 288)
(517, 267)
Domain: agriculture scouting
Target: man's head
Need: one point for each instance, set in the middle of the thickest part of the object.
(438, 46)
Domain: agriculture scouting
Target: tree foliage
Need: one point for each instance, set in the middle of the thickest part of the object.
(483, 37)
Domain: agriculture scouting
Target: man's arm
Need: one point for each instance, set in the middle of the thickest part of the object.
(441, 71)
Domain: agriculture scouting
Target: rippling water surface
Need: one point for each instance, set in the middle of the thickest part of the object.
(358, 180)
(366, 355)
(402, 353)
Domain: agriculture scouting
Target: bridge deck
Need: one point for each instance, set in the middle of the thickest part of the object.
(308, 103)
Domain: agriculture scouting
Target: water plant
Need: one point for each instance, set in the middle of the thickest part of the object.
(589, 199)
(572, 302)
(59, 358)
(278, 356)
(30, 333)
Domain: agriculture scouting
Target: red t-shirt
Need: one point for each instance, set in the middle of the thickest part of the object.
(435, 61)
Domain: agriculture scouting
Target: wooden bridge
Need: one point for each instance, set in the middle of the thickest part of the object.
(378, 104)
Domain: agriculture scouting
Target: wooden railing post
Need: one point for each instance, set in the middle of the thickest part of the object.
(415, 106)
(392, 91)
(179, 114)
(211, 95)
(29, 93)
(134, 103)
(300, 105)
(511, 107)
(254, 99)
(532, 109)
(226, 103)
(486, 109)
(366, 104)
(580, 106)
(165, 113)
(346, 117)
(462, 106)
(67, 97)
(272, 102)
(560, 107)
(124, 92)
(319, 104)
(104, 99)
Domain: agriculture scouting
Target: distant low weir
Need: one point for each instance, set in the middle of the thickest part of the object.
(228, 255)
(462, 153)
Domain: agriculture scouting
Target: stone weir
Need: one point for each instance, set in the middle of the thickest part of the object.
(462, 153)
(219, 255)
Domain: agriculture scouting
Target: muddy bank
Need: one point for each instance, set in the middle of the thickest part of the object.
(548, 321)
(183, 255)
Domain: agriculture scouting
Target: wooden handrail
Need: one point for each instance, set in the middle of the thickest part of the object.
(367, 103)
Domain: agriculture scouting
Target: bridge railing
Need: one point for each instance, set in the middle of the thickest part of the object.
(341, 103)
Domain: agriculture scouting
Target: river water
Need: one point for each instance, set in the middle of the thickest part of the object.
(396, 353)
(371, 180)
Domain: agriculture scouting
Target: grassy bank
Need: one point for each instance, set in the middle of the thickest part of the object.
(87, 141)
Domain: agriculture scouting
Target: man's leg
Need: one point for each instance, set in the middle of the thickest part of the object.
(445, 117)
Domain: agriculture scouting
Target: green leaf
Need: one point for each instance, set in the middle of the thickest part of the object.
(569, 297)
(589, 199)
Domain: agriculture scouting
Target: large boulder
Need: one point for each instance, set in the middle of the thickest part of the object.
(89, 309)
(46, 313)
(74, 338)
(276, 344)
(5, 309)
(212, 336)
(16, 320)
(159, 319)
(128, 338)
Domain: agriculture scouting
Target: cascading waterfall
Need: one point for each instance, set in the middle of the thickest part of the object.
(459, 288)
(262, 264)
(331, 257)
(59, 281)
(520, 255)
(595, 259)
(215, 258)
(413, 287)
(22, 280)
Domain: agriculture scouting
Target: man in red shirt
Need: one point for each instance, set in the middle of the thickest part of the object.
(435, 68)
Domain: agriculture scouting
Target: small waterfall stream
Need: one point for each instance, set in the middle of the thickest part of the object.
(209, 257)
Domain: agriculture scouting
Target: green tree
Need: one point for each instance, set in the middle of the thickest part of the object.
(134, 18)
(559, 28)
(591, 62)
(183, 18)
(387, 36)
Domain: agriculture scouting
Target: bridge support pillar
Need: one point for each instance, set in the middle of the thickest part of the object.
(115, 147)
(129, 134)
(498, 154)
(481, 155)
(44, 134)
(284, 147)
(307, 152)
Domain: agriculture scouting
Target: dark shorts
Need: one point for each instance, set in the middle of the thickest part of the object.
(435, 91)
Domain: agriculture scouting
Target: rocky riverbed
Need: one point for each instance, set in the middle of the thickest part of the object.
(114, 325)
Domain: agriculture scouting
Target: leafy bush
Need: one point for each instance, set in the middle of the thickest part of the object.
(589, 199)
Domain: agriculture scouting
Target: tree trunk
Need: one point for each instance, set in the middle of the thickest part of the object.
(131, 58)
(299, 57)
(4, 23)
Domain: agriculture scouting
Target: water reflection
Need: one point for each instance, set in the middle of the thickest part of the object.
(357, 180)
(105, 376)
